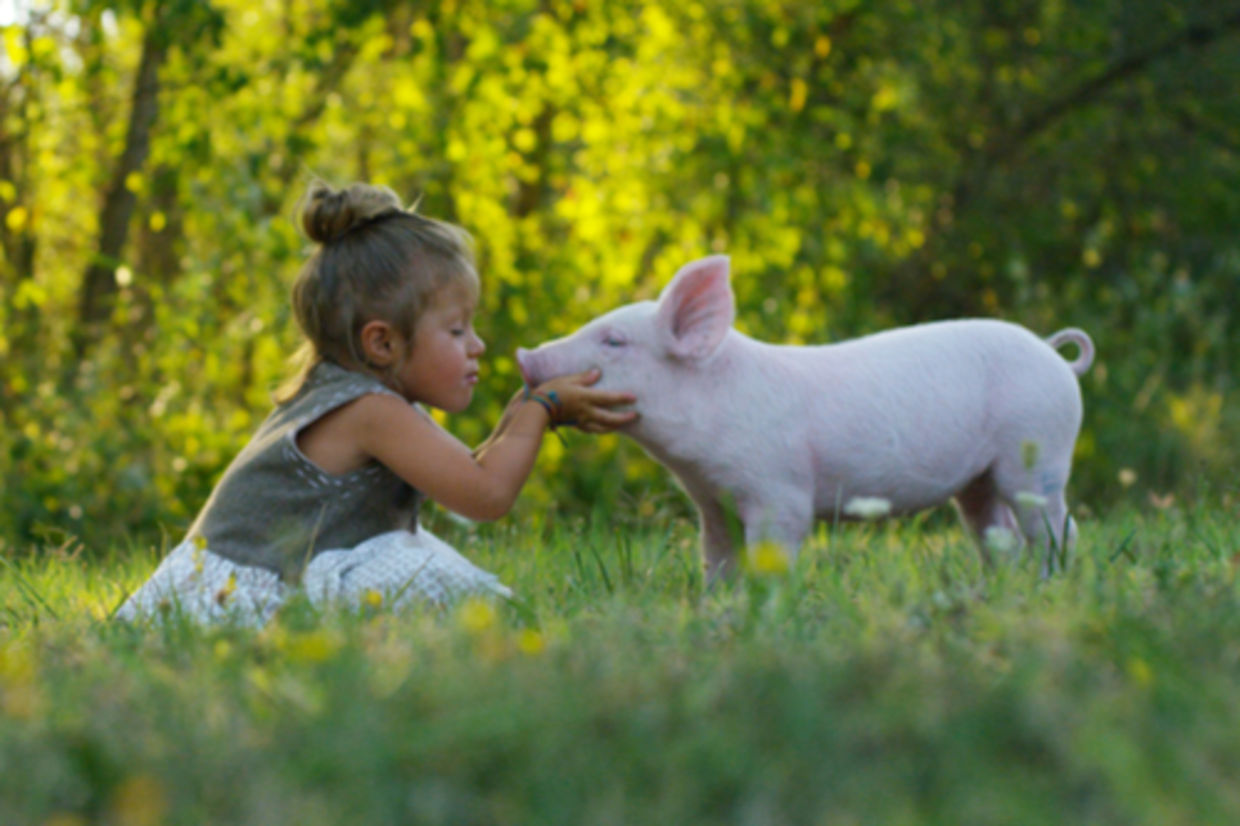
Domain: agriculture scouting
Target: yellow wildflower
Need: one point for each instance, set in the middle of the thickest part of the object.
(1140, 672)
(139, 801)
(313, 647)
(768, 558)
(530, 642)
(222, 595)
(477, 615)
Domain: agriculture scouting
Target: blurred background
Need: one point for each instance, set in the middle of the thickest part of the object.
(865, 164)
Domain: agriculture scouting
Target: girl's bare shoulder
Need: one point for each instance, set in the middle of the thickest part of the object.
(340, 440)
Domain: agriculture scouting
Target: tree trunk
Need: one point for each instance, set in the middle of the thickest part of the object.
(19, 245)
(160, 248)
(99, 284)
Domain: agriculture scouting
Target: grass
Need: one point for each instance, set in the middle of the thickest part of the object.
(884, 679)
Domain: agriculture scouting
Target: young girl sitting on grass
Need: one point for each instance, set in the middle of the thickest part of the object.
(324, 498)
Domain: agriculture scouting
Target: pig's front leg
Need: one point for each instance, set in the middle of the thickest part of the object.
(718, 535)
(782, 515)
(718, 545)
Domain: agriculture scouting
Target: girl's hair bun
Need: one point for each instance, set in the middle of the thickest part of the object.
(329, 214)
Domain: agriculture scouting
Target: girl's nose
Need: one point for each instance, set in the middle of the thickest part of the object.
(477, 345)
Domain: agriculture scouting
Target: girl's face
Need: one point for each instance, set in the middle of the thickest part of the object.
(441, 369)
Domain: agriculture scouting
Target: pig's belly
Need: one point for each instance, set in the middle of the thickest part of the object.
(917, 483)
(903, 500)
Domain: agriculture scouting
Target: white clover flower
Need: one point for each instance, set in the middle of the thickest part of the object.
(1029, 499)
(867, 507)
(1127, 477)
(1000, 540)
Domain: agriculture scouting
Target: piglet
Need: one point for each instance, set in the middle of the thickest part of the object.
(980, 411)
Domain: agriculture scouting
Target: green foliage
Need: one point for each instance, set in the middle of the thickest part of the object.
(882, 679)
(864, 164)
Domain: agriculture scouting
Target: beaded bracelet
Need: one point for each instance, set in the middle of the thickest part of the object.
(550, 403)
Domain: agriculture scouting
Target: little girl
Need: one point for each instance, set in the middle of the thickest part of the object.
(324, 498)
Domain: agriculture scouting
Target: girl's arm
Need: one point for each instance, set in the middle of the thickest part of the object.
(578, 405)
(480, 484)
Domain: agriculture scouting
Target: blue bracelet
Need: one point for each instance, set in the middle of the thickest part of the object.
(559, 409)
(531, 397)
(550, 403)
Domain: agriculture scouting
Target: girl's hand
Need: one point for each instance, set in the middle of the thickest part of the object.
(584, 407)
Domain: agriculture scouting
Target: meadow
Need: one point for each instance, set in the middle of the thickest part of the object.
(864, 165)
(884, 678)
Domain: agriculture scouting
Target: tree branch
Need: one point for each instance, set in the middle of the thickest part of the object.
(1199, 127)
(1197, 35)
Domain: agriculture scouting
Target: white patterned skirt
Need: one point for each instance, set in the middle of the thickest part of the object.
(392, 569)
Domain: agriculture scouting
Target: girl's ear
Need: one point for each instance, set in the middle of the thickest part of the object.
(379, 343)
(697, 308)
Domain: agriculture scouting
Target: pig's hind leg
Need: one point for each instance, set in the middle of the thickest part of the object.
(984, 513)
(1049, 528)
(1036, 494)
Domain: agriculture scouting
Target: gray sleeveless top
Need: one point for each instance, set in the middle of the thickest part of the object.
(275, 509)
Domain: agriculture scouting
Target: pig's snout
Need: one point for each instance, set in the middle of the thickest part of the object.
(543, 364)
(525, 363)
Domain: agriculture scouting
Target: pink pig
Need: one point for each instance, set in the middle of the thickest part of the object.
(980, 410)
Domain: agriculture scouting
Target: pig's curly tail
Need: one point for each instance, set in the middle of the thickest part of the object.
(1084, 344)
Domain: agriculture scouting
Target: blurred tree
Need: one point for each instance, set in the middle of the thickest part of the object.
(864, 164)
(166, 24)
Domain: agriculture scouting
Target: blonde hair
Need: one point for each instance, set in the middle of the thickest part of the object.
(375, 260)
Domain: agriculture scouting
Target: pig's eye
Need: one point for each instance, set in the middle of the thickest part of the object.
(613, 340)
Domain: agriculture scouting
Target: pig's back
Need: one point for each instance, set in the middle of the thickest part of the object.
(931, 404)
(960, 352)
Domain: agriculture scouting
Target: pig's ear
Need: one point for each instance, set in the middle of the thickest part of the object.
(696, 309)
